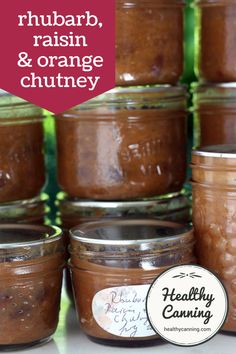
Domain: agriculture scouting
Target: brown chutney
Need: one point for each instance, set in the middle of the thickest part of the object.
(22, 171)
(149, 41)
(74, 212)
(31, 265)
(214, 216)
(122, 258)
(216, 37)
(214, 107)
(129, 143)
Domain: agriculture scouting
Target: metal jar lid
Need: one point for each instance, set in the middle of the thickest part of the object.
(22, 209)
(205, 3)
(159, 205)
(136, 97)
(14, 107)
(143, 235)
(213, 93)
(150, 3)
(225, 151)
(25, 242)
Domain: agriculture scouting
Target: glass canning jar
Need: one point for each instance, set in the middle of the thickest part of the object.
(31, 265)
(215, 40)
(149, 41)
(29, 211)
(214, 107)
(214, 216)
(73, 212)
(22, 171)
(122, 144)
(115, 261)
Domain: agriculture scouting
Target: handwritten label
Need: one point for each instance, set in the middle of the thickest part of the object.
(121, 311)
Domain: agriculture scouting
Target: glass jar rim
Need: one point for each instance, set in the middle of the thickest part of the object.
(216, 151)
(16, 108)
(157, 96)
(171, 231)
(132, 3)
(207, 93)
(66, 204)
(48, 235)
(25, 203)
(212, 2)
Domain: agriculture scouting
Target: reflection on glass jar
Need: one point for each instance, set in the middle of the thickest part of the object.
(172, 207)
(22, 174)
(214, 216)
(32, 261)
(122, 145)
(214, 114)
(73, 212)
(29, 211)
(215, 39)
(115, 261)
(149, 42)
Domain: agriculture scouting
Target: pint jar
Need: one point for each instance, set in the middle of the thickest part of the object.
(214, 216)
(149, 41)
(214, 107)
(22, 172)
(29, 211)
(123, 144)
(32, 260)
(119, 259)
(215, 39)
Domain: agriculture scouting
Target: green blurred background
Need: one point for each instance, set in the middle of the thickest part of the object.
(51, 187)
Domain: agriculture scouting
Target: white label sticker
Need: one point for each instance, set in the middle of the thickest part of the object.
(121, 311)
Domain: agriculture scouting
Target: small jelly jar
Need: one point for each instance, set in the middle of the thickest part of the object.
(29, 211)
(113, 262)
(215, 40)
(149, 41)
(214, 216)
(31, 266)
(214, 107)
(73, 212)
(22, 170)
(122, 144)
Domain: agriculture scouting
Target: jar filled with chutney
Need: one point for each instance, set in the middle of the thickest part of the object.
(122, 145)
(214, 216)
(22, 170)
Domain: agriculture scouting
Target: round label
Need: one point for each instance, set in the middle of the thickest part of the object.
(187, 305)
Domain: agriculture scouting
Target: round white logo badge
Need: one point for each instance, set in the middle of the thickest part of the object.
(187, 305)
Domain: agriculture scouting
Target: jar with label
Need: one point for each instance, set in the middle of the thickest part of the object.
(214, 216)
(22, 171)
(214, 114)
(113, 264)
(149, 41)
(122, 144)
(73, 212)
(215, 40)
(32, 260)
(29, 211)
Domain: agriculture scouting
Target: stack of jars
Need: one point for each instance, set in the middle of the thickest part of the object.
(214, 162)
(123, 153)
(22, 170)
(129, 144)
(215, 95)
